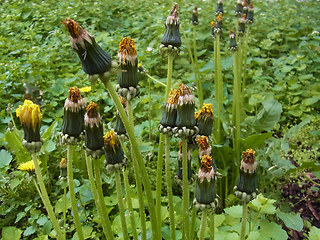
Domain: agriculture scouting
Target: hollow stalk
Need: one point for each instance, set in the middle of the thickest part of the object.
(185, 191)
(105, 222)
(203, 224)
(196, 67)
(45, 198)
(137, 157)
(72, 193)
(121, 205)
(244, 221)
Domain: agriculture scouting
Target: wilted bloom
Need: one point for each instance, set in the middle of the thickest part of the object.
(205, 185)
(179, 175)
(93, 128)
(204, 118)
(213, 24)
(30, 119)
(128, 79)
(219, 7)
(119, 128)
(74, 110)
(245, 7)
(247, 182)
(94, 60)
(218, 26)
(249, 16)
(242, 25)
(233, 42)
(239, 9)
(186, 122)
(169, 113)
(63, 168)
(113, 151)
(194, 19)
(171, 40)
(204, 146)
(28, 166)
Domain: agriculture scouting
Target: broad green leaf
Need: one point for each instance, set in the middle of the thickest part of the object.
(271, 230)
(11, 233)
(255, 141)
(254, 235)
(218, 219)
(42, 221)
(234, 211)
(314, 233)
(293, 221)
(5, 158)
(310, 101)
(15, 146)
(46, 135)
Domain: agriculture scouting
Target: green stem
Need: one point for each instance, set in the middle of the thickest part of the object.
(45, 198)
(71, 192)
(64, 207)
(244, 221)
(105, 222)
(137, 157)
(236, 111)
(121, 205)
(203, 224)
(193, 222)
(156, 80)
(196, 67)
(255, 220)
(212, 226)
(169, 188)
(244, 64)
(150, 108)
(37, 188)
(219, 90)
(169, 75)
(185, 187)
(129, 201)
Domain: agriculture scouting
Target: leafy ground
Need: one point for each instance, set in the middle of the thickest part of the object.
(282, 95)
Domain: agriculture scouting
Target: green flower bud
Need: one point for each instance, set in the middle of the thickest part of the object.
(169, 113)
(233, 42)
(194, 19)
(219, 7)
(239, 9)
(204, 118)
(172, 35)
(113, 150)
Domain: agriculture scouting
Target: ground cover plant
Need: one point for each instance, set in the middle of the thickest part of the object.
(165, 113)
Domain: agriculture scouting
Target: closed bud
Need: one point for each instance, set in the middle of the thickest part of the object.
(194, 19)
(239, 9)
(219, 7)
(204, 118)
(233, 42)
(113, 151)
(172, 34)
(169, 113)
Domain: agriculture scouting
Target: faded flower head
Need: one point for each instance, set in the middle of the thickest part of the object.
(205, 112)
(94, 60)
(74, 102)
(127, 51)
(110, 139)
(204, 118)
(233, 42)
(194, 19)
(63, 163)
(113, 151)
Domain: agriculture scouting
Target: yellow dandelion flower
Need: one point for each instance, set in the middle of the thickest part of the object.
(29, 114)
(27, 166)
(110, 139)
(85, 89)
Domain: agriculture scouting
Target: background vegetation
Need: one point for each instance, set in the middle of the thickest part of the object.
(282, 96)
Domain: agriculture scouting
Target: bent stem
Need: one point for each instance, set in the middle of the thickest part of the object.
(137, 157)
(185, 187)
(45, 198)
(169, 188)
(121, 205)
(244, 221)
(105, 222)
(203, 224)
(129, 202)
(72, 194)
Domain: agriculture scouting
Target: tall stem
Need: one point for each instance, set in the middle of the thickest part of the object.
(64, 207)
(169, 188)
(236, 110)
(72, 194)
(45, 198)
(219, 89)
(203, 224)
(244, 63)
(161, 143)
(193, 222)
(129, 202)
(121, 205)
(105, 222)
(137, 157)
(212, 226)
(244, 221)
(196, 67)
(185, 191)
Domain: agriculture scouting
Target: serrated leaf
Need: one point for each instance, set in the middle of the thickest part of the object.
(29, 230)
(262, 204)
(271, 230)
(293, 221)
(11, 233)
(234, 211)
(218, 219)
(255, 141)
